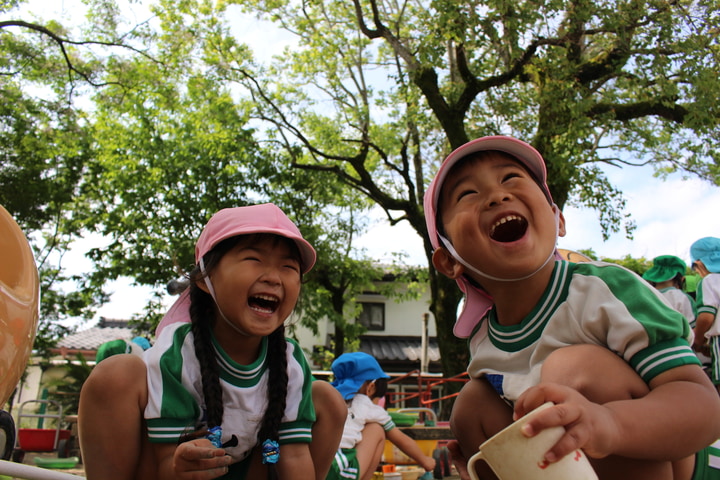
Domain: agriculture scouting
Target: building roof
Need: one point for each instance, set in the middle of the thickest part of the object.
(90, 339)
(400, 353)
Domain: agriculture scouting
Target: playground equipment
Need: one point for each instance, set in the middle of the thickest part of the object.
(43, 439)
(19, 314)
(430, 434)
(19, 302)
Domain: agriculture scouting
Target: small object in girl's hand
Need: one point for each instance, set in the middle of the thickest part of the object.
(270, 451)
(215, 436)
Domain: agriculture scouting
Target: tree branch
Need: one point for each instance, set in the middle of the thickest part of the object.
(664, 108)
(62, 42)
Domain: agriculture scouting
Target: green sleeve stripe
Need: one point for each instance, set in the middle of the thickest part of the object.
(295, 432)
(389, 425)
(177, 402)
(164, 431)
(699, 293)
(661, 357)
(707, 309)
(306, 409)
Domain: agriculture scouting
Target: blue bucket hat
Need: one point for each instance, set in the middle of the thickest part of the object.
(351, 370)
(707, 250)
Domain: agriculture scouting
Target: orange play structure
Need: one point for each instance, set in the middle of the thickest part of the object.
(19, 315)
(19, 301)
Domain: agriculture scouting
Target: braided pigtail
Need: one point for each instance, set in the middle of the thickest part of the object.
(202, 315)
(277, 396)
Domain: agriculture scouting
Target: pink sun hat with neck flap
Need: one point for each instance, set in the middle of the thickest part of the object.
(477, 301)
(231, 222)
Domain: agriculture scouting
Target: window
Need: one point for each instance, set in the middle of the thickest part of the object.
(372, 316)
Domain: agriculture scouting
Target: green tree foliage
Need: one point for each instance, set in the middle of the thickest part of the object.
(45, 146)
(637, 265)
(65, 389)
(170, 145)
(378, 92)
(375, 93)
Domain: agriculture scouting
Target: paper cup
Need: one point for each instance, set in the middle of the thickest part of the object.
(513, 456)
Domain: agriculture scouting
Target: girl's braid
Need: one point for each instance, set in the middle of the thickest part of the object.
(202, 315)
(277, 391)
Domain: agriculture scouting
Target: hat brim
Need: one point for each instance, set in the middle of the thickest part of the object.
(253, 219)
(178, 312)
(348, 387)
(476, 305)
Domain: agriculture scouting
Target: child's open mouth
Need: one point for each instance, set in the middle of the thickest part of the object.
(264, 303)
(509, 229)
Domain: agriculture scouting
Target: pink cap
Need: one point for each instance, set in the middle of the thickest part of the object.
(230, 222)
(263, 218)
(477, 301)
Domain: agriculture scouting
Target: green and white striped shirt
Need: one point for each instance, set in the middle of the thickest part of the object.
(584, 303)
(176, 404)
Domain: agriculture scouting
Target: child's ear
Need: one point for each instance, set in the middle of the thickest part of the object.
(561, 221)
(446, 264)
(203, 286)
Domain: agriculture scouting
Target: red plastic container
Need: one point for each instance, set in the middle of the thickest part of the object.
(40, 439)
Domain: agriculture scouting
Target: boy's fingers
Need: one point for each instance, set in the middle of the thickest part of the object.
(458, 459)
(205, 468)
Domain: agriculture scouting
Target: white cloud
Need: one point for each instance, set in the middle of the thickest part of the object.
(670, 215)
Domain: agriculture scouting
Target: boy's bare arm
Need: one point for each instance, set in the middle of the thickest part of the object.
(679, 416)
(702, 324)
(410, 448)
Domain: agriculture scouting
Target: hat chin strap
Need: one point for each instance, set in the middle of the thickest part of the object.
(208, 283)
(446, 243)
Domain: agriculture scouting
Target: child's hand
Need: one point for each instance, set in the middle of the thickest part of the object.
(588, 426)
(458, 459)
(428, 464)
(199, 460)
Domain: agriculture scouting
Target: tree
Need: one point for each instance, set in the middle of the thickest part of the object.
(165, 136)
(378, 92)
(172, 138)
(44, 151)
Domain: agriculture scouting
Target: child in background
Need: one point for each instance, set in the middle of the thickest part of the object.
(136, 346)
(362, 383)
(668, 275)
(705, 255)
(591, 337)
(230, 366)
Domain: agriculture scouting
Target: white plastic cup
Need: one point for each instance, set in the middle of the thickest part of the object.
(513, 456)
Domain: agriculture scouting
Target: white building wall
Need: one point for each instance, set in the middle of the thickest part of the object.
(401, 318)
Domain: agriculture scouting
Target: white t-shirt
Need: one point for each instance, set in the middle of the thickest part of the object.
(361, 410)
(708, 300)
(682, 302)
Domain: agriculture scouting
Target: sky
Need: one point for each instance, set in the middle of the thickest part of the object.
(670, 214)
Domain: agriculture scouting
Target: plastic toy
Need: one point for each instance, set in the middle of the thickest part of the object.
(19, 301)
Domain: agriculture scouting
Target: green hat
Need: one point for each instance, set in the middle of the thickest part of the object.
(665, 267)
